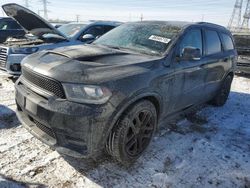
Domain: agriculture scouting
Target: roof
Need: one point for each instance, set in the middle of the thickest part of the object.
(212, 25)
(183, 24)
(93, 22)
(113, 23)
(173, 23)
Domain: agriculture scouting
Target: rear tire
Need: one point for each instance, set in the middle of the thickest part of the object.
(222, 96)
(132, 133)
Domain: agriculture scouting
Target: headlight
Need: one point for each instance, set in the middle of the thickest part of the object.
(87, 93)
(24, 50)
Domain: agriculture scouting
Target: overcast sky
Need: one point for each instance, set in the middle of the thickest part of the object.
(216, 11)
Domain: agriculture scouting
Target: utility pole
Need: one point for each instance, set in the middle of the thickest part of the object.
(235, 20)
(245, 23)
(45, 9)
(77, 18)
(202, 17)
(141, 17)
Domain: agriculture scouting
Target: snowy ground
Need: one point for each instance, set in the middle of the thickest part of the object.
(211, 151)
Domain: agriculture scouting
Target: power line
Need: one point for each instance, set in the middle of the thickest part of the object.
(77, 18)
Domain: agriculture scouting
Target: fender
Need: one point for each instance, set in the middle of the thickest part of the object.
(126, 103)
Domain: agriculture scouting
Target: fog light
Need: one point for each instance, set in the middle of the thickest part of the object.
(15, 68)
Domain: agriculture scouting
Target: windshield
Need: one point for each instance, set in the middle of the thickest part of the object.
(70, 30)
(150, 38)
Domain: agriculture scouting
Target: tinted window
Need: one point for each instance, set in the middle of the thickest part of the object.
(107, 28)
(5, 25)
(96, 31)
(14, 25)
(227, 41)
(213, 44)
(192, 39)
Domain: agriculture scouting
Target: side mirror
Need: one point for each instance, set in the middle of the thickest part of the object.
(88, 37)
(191, 53)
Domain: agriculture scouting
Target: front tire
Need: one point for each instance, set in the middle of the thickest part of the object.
(222, 96)
(133, 132)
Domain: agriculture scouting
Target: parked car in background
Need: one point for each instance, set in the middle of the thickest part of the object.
(242, 42)
(44, 36)
(111, 94)
(9, 28)
(57, 25)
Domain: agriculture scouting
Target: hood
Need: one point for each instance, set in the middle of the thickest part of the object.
(30, 21)
(88, 64)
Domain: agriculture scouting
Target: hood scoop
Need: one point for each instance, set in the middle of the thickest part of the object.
(87, 52)
(96, 57)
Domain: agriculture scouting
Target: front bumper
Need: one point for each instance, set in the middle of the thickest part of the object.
(13, 64)
(73, 129)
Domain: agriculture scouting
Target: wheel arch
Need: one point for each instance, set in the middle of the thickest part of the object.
(231, 73)
(154, 98)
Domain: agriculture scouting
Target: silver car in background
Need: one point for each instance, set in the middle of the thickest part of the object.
(43, 36)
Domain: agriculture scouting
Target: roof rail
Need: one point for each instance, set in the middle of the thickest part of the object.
(212, 24)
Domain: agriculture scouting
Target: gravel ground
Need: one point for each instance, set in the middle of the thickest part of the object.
(210, 150)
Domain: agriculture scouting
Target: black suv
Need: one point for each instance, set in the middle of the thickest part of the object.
(112, 94)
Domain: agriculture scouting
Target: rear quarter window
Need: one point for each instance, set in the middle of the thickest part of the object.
(227, 42)
(213, 43)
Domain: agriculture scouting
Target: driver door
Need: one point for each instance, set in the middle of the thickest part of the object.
(189, 76)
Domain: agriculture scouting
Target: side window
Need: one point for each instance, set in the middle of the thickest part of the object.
(213, 43)
(14, 25)
(3, 25)
(96, 31)
(193, 38)
(107, 28)
(227, 42)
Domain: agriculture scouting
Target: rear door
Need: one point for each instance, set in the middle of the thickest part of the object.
(218, 61)
(189, 74)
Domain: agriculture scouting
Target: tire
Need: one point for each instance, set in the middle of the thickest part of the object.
(132, 133)
(222, 96)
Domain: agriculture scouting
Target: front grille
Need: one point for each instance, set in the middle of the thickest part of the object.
(3, 57)
(45, 83)
(45, 129)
